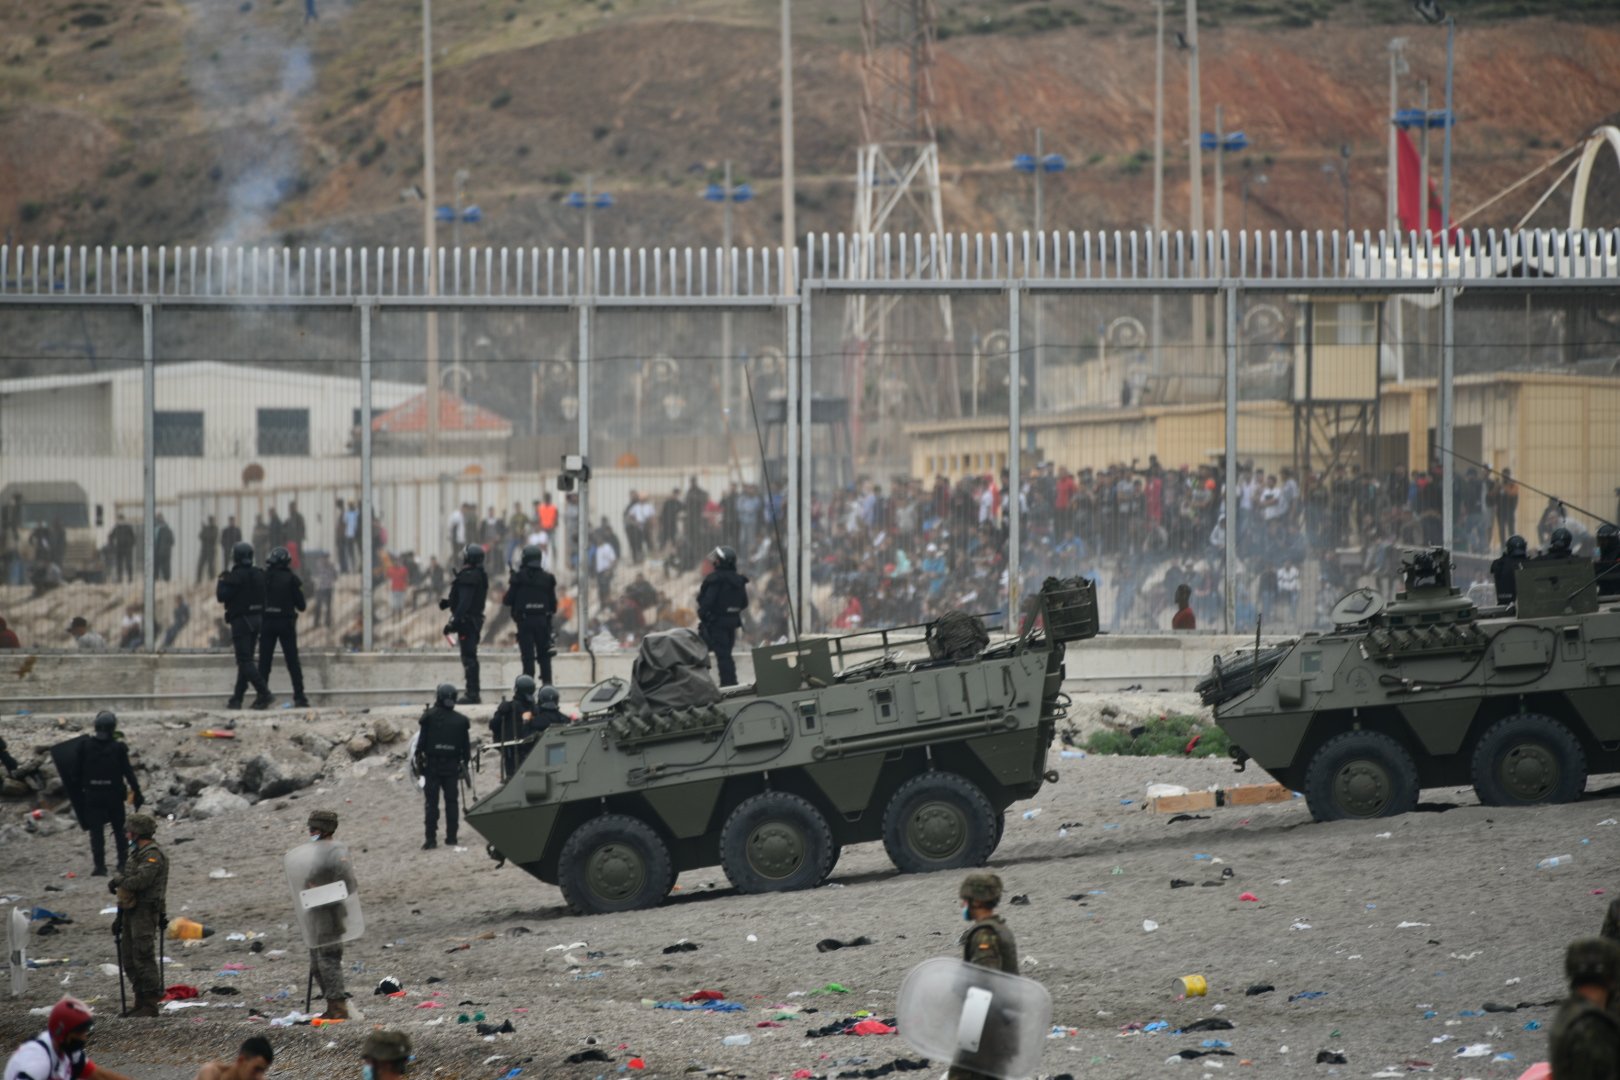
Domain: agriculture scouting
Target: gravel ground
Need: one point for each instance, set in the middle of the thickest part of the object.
(1489, 927)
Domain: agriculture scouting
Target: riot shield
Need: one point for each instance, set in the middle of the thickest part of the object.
(67, 756)
(17, 950)
(975, 1018)
(410, 761)
(325, 895)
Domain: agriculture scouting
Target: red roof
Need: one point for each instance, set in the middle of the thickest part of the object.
(455, 415)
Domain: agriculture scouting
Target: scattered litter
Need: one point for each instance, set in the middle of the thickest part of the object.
(1409, 925)
(832, 944)
(294, 1017)
(1332, 1057)
(698, 1006)
(1308, 995)
(1473, 1050)
(110, 969)
(1021, 900)
(390, 985)
(1148, 926)
(1187, 817)
(583, 1056)
(752, 938)
(1382, 836)
(1555, 861)
(680, 946)
(566, 948)
(737, 1040)
(1179, 883)
(1250, 897)
(1031, 815)
(221, 874)
(1259, 988)
(505, 1028)
(1212, 1024)
(706, 995)
(1300, 926)
(831, 988)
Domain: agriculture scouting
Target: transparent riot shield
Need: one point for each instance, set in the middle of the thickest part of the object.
(17, 950)
(325, 895)
(976, 1018)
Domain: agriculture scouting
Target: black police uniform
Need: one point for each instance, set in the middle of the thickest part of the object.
(517, 720)
(1607, 568)
(532, 596)
(1503, 570)
(241, 590)
(443, 751)
(104, 769)
(469, 590)
(6, 759)
(283, 600)
(721, 601)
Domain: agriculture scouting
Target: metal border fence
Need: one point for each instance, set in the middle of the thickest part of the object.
(828, 269)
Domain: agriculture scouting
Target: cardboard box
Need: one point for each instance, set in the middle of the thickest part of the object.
(1189, 803)
(1256, 794)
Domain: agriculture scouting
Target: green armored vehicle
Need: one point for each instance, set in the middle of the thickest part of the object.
(668, 773)
(1430, 691)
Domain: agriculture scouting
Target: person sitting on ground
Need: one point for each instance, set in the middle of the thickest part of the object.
(88, 640)
(252, 1063)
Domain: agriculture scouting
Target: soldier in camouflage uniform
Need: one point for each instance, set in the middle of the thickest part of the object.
(326, 961)
(988, 942)
(1611, 922)
(141, 891)
(386, 1054)
(1585, 1040)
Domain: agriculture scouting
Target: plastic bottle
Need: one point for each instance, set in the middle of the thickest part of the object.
(1556, 860)
(737, 1040)
(1031, 815)
(188, 930)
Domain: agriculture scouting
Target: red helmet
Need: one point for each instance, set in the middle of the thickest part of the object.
(68, 1016)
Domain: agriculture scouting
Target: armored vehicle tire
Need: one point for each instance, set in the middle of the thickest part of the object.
(1001, 830)
(938, 821)
(1360, 774)
(774, 842)
(1528, 759)
(614, 863)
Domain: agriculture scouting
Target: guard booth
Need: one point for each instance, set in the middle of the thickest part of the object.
(831, 466)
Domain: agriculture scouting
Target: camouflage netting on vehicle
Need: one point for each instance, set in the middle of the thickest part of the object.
(956, 635)
(671, 671)
(1239, 673)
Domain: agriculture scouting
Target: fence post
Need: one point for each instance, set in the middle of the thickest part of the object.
(148, 479)
(790, 455)
(1229, 573)
(581, 572)
(802, 451)
(1014, 437)
(1447, 418)
(367, 607)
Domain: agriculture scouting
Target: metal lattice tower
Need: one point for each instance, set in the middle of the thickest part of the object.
(897, 192)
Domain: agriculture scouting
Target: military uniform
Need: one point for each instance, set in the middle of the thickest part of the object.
(328, 923)
(443, 750)
(1584, 1043)
(532, 596)
(1611, 922)
(104, 769)
(987, 943)
(469, 590)
(6, 759)
(283, 600)
(141, 892)
(720, 604)
(241, 590)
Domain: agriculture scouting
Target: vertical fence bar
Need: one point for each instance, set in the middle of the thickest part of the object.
(1229, 571)
(1014, 436)
(367, 612)
(148, 478)
(581, 576)
(803, 449)
(790, 497)
(1448, 402)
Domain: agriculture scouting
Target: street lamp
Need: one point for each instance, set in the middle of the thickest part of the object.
(1222, 143)
(590, 202)
(726, 195)
(1037, 165)
(1433, 14)
(455, 214)
(1260, 181)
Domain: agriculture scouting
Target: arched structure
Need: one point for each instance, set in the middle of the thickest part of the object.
(1607, 135)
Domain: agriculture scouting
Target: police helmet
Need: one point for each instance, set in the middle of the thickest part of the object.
(323, 820)
(524, 687)
(1516, 546)
(106, 724)
(1562, 540)
(279, 557)
(445, 695)
(724, 558)
(1608, 535)
(242, 553)
(143, 825)
(981, 887)
(473, 555)
(1592, 962)
(533, 555)
(549, 696)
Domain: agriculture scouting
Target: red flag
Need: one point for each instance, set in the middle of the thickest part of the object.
(1409, 175)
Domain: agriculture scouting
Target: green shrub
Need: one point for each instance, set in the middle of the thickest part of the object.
(1167, 736)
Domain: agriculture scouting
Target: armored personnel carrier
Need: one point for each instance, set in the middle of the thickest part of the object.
(1430, 691)
(839, 741)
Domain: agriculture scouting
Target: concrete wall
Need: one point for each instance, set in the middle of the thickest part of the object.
(73, 682)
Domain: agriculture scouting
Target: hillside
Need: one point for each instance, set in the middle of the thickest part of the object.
(162, 121)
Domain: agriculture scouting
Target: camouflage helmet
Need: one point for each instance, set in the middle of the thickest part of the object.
(1593, 962)
(386, 1044)
(323, 820)
(981, 887)
(144, 825)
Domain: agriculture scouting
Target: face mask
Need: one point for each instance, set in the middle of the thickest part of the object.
(313, 837)
(967, 913)
(368, 1071)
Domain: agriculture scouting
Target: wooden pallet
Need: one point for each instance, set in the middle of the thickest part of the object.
(1244, 795)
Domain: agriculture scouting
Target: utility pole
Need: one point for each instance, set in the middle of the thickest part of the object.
(1158, 183)
(789, 231)
(1220, 183)
(1445, 167)
(1392, 194)
(1423, 163)
(725, 314)
(430, 228)
(455, 244)
(587, 275)
(1195, 168)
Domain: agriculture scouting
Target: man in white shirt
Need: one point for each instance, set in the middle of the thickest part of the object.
(60, 1051)
(1271, 504)
(606, 560)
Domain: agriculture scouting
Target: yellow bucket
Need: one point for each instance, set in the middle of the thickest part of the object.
(1191, 986)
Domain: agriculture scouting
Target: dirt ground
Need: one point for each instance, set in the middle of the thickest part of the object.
(1406, 928)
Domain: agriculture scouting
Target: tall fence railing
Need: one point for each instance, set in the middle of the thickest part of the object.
(884, 427)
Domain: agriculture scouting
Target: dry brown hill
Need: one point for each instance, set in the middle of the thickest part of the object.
(162, 121)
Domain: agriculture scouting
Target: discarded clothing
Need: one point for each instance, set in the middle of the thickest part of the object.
(1331, 1057)
(700, 1006)
(1188, 1055)
(1259, 988)
(682, 946)
(586, 1055)
(831, 944)
(505, 1028)
(1213, 1024)
(854, 1025)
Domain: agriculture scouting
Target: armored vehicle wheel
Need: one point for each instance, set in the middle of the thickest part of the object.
(1360, 774)
(1528, 759)
(1001, 830)
(938, 821)
(837, 852)
(614, 863)
(775, 842)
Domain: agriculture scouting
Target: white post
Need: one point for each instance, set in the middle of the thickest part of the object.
(368, 617)
(789, 230)
(430, 229)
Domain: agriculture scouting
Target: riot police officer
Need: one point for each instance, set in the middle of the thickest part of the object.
(469, 590)
(522, 720)
(241, 590)
(443, 750)
(532, 596)
(721, 601)
(1607, 564)
(1503, 570)
(103, 771)
(1559, 545)
(283, 600)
